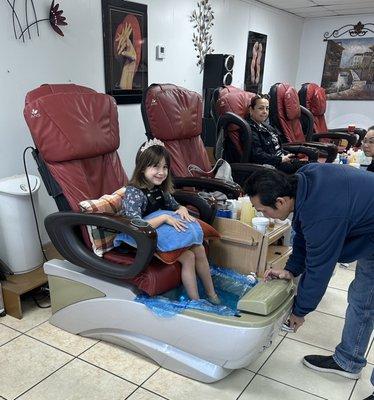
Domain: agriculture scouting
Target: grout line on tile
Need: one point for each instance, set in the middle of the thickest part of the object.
(336, 288)
(50, 345)
(313, 345)
(88, 347)
(294, 387)
(137, 387)
(62, 366)
(9, 342)
(253, 377)
(41, 323)
(369, 348)
(109, 372)
(150, 376)
(283, 337)
(353, 389)
(331, 315)
(150, 391)
(368, 363)
(2, 323)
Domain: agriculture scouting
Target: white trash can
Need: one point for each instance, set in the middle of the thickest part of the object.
(19, 244)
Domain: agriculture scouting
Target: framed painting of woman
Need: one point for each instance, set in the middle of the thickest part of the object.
(125, 50)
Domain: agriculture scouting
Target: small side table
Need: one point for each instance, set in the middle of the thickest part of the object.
(16, 285)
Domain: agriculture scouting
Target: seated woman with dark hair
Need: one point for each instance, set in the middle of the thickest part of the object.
(368, 147)
(266, 145)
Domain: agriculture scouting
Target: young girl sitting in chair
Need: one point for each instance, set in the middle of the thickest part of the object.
(150, 190)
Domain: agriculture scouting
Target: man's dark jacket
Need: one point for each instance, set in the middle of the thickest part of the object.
(333, 222)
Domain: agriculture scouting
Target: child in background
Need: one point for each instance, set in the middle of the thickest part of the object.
(150, 190)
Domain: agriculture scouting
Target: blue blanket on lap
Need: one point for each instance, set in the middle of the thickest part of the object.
(168, 238)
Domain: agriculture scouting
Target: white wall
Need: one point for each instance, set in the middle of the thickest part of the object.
(340, 113)
(78, 58)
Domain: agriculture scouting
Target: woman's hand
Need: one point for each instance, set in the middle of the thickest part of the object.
(277, 274)
(184, 214)
(124, 46)
(126, 49)
(288, 158)
(177, 223)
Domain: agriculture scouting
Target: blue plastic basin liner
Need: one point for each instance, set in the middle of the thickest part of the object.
(229, 285)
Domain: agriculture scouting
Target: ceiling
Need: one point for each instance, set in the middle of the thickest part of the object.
(322, 8)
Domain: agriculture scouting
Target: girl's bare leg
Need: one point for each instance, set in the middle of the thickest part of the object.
(187, 259)
(202, 269)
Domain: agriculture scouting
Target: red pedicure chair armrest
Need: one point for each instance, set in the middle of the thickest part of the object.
(61, 228)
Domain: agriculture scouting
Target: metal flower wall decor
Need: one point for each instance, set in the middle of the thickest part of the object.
(55, 18)
(202, 18)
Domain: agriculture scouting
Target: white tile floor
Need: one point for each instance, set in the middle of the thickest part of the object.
(41, 362)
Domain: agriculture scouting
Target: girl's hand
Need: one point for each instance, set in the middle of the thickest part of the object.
(184, 214)
(178, 224)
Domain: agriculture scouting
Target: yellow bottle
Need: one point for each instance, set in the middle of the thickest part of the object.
(247, 213)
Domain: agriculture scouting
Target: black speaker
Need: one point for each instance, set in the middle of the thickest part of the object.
(218, 69)
(209, 132)
(207, 96)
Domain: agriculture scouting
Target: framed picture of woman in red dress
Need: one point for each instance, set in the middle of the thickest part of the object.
(125, 50)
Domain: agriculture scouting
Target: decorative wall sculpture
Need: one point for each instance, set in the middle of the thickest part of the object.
(357, 30)
(348, 72)
(202, 18)
(255, 61)
(125, 50)
(55, 18)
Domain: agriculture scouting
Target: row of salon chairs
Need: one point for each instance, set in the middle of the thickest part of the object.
(174, 115)
(76, 134)
(297, 124)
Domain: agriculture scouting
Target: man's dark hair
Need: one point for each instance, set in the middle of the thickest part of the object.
(370, 128)
(269, 184)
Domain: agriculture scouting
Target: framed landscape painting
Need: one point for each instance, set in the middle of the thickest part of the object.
(348, 72)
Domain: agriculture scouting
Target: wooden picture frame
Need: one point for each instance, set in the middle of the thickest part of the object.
(125, 50)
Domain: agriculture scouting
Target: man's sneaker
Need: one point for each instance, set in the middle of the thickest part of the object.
(327, 364)
(371, 397)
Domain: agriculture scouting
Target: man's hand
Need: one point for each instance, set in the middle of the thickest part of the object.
(296, 322)
(277, 274)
